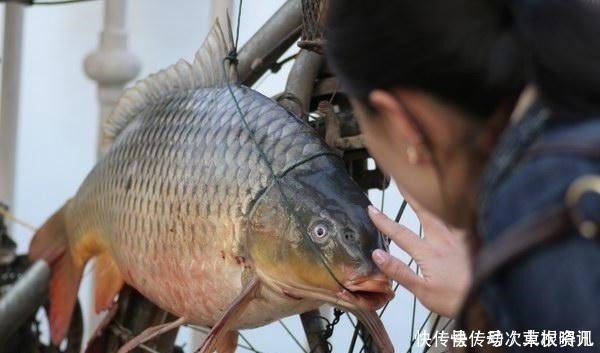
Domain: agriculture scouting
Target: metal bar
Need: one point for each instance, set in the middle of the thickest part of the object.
(135, 313)
(314, 325)
(264, 48)
(17, 306)
(301, 81)
(11, 88)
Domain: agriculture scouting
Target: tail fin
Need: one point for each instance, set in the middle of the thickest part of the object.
(50, 243)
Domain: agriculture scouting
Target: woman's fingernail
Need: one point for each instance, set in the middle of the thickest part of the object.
(380, 256)
(372, 210)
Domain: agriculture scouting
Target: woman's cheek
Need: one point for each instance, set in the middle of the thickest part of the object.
(376, 141)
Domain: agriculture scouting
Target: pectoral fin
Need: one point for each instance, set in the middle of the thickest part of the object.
(220, 335)
(108, 281)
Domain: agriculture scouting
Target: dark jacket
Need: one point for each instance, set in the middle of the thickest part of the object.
(555, 287)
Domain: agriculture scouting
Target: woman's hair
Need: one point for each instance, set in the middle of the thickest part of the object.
(473, 54)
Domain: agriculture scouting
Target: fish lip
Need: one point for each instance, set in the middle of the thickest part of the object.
(378, 282)
(371, 292)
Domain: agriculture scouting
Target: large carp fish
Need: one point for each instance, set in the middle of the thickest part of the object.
(222, 224)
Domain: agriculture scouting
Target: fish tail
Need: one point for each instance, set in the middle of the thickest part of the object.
(50, 243)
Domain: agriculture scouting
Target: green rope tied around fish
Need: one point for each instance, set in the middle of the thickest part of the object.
(232, 58)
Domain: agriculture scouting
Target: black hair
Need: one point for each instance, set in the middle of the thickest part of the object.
(473, 54)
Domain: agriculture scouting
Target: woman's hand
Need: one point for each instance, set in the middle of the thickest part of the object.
(441, 255)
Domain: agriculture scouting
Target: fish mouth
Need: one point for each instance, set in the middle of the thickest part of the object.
(369, 292)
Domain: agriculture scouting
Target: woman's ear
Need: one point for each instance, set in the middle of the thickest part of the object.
(389, 108)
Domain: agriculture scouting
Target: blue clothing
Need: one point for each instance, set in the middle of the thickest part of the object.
(557, 286)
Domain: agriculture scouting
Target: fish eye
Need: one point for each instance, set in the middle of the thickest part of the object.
(320, 231)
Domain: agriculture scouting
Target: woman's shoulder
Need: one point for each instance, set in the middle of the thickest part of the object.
(538, 176)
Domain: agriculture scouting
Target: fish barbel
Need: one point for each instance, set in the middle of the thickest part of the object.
(218, 224)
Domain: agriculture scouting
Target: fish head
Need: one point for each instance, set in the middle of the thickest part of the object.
(312, 238)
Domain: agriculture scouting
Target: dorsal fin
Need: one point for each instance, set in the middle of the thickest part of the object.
(205, 71)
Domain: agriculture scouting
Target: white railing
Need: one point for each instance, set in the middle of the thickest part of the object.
(112, 65)
(11, 88)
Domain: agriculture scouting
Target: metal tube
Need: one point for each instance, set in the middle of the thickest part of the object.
(314, 325)
(264, 48)
(11, 87)
(301, 81)
(22, 301)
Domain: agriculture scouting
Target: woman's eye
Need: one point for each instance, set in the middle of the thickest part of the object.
(320, 231)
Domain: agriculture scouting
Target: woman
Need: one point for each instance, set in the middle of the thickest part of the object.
(485, 112)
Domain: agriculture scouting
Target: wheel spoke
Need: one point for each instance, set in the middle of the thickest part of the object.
(412, 342)
(401, 211)
(250, 346)
(292, 336)
(354, 336)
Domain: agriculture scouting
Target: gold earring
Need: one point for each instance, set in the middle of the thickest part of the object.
(412, 155)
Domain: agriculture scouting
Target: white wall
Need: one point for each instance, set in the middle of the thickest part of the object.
(58, 122)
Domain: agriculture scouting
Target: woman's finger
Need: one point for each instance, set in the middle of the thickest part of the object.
(397, 270)
(402, 236)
